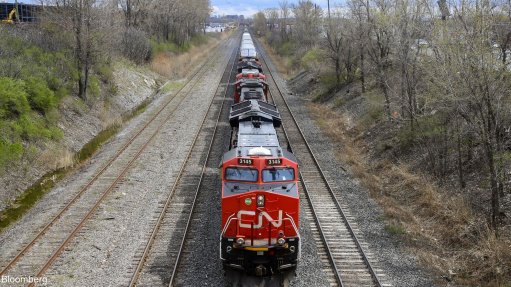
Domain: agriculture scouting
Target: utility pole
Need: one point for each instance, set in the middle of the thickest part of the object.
(329, 19)
(328, 3)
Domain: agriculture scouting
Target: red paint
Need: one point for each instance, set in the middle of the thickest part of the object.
(274, 202)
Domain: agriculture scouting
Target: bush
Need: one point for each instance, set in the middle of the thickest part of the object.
(199, 39)
(286, 49)
(164, 47)
(312, 60)
(9, 151)
(136, 46)
(13, 98)
(41, 98)
(106, 73)
(94, 86)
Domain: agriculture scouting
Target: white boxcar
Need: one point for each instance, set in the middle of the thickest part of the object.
(246, 36)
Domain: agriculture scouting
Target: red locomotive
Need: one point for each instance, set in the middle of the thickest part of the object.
(260, 199)
(250, 84)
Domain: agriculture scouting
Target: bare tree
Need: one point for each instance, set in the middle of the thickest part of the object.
(470, 80)
(81, 21)
(379, 41)
(272, 17)
(308, 18)
(409, 45)
(284, 15)
(334, 41)
(260, 23)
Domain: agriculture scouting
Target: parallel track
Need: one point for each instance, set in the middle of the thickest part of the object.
(164, 248)
(336, 237)
(53, 238)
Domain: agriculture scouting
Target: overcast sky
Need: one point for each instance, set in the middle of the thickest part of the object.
(250, 7)
(235, 7)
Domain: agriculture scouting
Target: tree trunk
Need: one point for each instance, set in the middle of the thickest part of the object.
(338, 70)
(403, 89)
(385, 90)
(460, 160)
(362, 73)
(79, 52)
(495, 205)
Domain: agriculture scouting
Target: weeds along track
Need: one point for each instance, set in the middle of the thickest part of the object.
(157, 261)
(342, 253)
(37, 255)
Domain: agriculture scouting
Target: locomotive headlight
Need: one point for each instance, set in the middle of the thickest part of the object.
(281, 241)
(240, 241)
(260, 200)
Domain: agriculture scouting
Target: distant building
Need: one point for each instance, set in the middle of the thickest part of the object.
(226, 18)
(27, 12)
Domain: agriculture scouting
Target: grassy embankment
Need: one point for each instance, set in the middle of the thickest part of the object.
(439, 225)
(30, 98)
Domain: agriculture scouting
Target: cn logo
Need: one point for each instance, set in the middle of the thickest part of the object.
(259, 224)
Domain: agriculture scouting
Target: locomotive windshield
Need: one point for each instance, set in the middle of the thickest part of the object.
(278, 174)
(241, 174)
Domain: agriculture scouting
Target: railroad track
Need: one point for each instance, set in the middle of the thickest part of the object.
(340, 248)
(36, 256)
(157, 262)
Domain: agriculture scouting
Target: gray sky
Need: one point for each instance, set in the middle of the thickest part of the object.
(236, 7)
(248, 8)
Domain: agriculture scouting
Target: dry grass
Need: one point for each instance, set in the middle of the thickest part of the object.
(177, 66)
(57, 157)
(438, 226)
(109, 118)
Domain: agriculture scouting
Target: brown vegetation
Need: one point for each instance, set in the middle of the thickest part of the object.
(180, 65)
(441, 228)
(420, 96)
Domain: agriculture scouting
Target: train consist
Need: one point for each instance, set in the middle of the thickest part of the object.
(260, 201)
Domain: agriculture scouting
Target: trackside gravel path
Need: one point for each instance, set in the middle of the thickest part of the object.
(104, 248)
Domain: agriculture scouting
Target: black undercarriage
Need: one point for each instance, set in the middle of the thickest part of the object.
(273, 260)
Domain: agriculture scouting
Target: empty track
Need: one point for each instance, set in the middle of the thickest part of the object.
(157, 262)
(36, 256)
(343, 256)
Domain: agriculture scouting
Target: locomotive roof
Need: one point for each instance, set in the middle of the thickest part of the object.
(252, 93)
(256, 121)
(252, 138)
(263, 136)
(250, 72)
(243, 151)
(248, 64)
(254, 110)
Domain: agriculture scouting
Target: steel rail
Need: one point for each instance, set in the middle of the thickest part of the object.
(199, 185)
(56, 254)
(202, 70)
(21, 253)
(320, 229)
(156, 228)
(340, 209)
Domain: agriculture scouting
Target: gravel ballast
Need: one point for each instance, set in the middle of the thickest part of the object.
(103, 250)
(400, 267)
(121, 224)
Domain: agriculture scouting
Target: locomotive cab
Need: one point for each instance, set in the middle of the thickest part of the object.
(260, 211)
